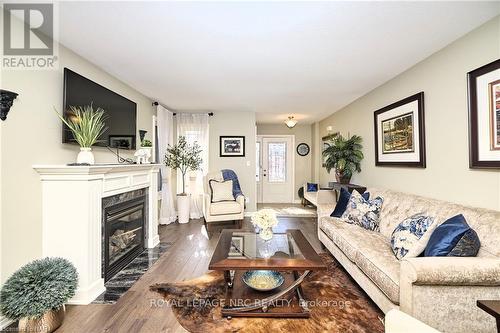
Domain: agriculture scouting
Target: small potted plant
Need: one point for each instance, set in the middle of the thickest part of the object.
(35, 294)
(344, 155)
(185, 157)
(87, 125)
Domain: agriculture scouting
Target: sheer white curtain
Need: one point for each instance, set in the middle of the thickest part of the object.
(165, 127)
(194, 127)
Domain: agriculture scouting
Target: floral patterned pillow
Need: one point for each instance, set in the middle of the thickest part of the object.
(362, 212)
(408, 236)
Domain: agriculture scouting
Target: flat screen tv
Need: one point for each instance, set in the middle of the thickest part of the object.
(120, 112)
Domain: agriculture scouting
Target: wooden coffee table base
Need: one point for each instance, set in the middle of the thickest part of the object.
(287, 301)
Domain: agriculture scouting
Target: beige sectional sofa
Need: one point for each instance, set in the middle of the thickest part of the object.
(440, 291)
(319, 197)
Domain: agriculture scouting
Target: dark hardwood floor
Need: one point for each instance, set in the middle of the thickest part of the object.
(187, 258)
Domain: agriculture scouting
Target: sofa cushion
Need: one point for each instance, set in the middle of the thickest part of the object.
(312, 187)
(366, 249)
(344, 200)
(221, 190)
(377, 261)
(408, 233)
(362, 212)
(453, 238)
(225, 208)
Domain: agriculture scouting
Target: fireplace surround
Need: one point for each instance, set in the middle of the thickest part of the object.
(73, 201)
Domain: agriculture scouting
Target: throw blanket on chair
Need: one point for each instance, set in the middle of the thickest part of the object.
(231, 175)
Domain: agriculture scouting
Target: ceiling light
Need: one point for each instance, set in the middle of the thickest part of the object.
(290, 122)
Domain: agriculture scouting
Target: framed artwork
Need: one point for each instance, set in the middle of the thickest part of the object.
(232, 146)
(121, 141)
(325, 143)
(237, 250)
(400, 133)
(484, 116)
(303, 149)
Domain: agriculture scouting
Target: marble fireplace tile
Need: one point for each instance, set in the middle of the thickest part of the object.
(124, 279)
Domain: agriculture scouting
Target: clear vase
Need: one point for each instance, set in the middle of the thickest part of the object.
(266, 233)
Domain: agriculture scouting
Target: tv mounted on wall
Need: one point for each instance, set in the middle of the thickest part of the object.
(120, 112)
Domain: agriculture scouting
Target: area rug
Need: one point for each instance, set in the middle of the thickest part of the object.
(290, 210)
(349, 309)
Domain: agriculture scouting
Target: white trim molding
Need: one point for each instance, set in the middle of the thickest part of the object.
(72, 215)
(4, 322)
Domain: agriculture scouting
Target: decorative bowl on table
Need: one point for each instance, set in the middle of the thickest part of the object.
(263, 280)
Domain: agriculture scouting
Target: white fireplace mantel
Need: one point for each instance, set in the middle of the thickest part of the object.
(72, 214)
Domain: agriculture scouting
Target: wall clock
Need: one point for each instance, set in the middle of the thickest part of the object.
(303, 149)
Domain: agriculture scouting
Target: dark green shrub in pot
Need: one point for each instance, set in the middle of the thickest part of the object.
(35, 294)
(344, 155)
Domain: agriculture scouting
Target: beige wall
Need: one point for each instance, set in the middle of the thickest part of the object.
(235, 123)
(442, 77)
(302, 133)
(32, 135)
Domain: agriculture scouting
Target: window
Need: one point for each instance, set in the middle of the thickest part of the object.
(277, 162)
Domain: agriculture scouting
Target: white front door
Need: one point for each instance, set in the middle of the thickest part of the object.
(277, 169)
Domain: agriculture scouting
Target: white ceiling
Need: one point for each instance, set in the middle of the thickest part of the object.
(273, 58)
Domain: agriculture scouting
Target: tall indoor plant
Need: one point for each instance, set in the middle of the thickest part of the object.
(185, 157)
(35, 294)
(344, 155)
(87, 125)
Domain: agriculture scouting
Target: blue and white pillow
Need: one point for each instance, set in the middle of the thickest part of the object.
(406, 237)
(362, 212)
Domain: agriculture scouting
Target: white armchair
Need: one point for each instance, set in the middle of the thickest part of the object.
(224, 210)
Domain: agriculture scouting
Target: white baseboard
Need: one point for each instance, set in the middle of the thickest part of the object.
(249, 214)
(86, 296)
(4, 322)
(153, 242)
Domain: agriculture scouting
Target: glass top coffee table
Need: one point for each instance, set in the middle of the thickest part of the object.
(289, 253)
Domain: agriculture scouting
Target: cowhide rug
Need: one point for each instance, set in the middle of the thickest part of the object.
(353, 312)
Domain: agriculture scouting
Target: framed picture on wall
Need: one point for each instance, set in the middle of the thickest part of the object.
(232, 146)
(484, 116)
(400, 133)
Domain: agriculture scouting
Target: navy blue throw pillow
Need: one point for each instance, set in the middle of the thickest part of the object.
(453, 238)
(344, 200)
(312, 187)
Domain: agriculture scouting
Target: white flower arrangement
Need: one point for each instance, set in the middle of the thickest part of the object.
(265, 219)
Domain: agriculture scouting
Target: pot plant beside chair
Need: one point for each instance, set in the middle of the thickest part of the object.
(185, 157)
(35, 294)
(344, 155)
(87, 125)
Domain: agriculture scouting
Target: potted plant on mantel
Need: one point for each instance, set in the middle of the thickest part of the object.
(35, 294)
(87, 125)
(184, 157)
(344, 155)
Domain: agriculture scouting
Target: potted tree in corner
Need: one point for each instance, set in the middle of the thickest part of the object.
(184, 157)
(35, 294)
(87, 125)
(344, 155)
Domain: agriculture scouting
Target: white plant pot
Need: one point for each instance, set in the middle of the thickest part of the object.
(148, 155)
(183, 208)
(85, 156)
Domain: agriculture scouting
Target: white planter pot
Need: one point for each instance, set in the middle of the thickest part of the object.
(183, 208)
(148, 154)
(85, 156)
